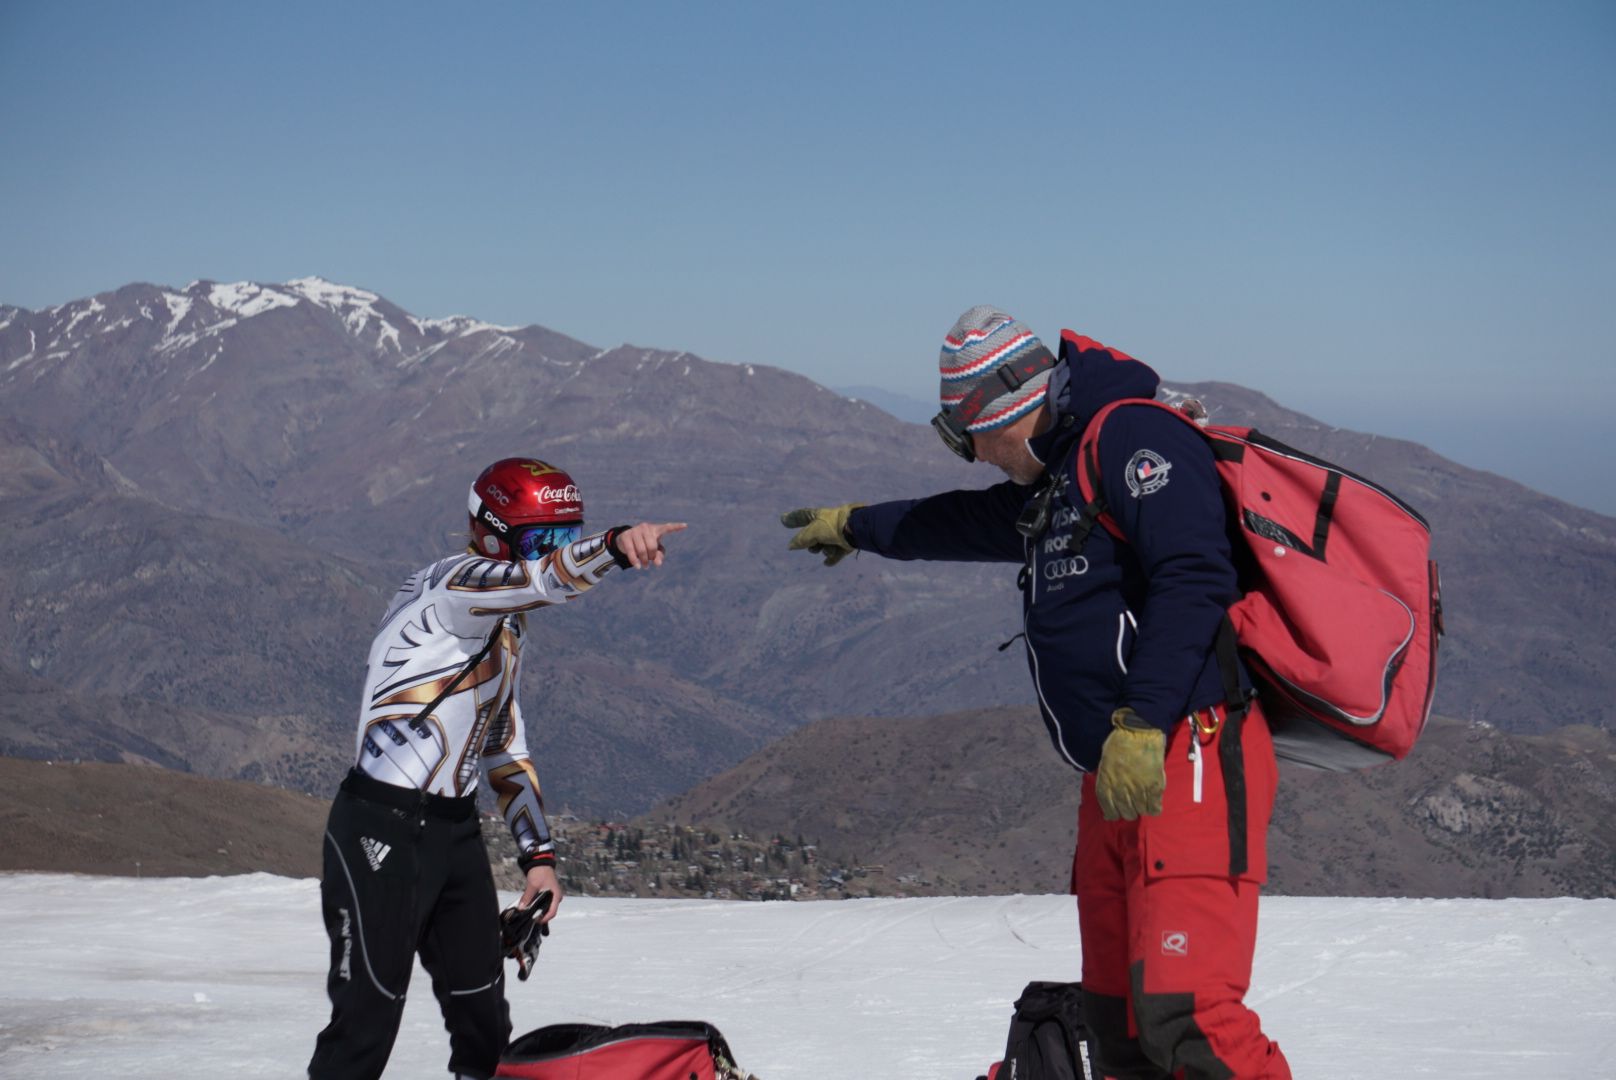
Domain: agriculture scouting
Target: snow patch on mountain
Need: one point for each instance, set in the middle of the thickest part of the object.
(33, 347)
(424, 355)
(359, 311)
(179, 306)
(246, 299)
(330, 295)
(205, 309)
(356, 308)
(93, 307)
(459, 326)
(217, 352)
(185, 340)
(494, 348)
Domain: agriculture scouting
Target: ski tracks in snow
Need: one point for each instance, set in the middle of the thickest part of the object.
(196, 979)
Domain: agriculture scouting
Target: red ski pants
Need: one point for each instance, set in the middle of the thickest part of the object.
(1167, 907)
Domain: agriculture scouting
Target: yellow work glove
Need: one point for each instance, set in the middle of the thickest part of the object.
(1132, 775)
(822, 530)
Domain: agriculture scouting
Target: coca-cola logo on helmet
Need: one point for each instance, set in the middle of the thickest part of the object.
(568, 494)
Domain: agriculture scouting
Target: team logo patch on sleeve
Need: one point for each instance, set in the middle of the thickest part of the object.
(1147, 473)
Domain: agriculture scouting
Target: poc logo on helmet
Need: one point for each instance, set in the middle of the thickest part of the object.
(490, 519)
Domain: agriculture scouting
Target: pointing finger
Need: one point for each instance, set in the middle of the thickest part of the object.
(796, 519)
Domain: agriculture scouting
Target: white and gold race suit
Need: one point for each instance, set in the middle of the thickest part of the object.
(435, 627)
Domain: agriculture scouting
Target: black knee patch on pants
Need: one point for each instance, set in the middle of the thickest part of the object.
(1120, 1055)
(1169, 1035)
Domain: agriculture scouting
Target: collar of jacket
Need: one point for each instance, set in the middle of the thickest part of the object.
(1052, 445)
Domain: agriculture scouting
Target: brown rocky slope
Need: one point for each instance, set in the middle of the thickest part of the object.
(977, 802)
(96, 817)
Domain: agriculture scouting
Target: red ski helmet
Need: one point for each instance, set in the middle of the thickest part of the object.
(521, 508)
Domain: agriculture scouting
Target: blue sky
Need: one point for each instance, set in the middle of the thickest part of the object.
(1396, 217)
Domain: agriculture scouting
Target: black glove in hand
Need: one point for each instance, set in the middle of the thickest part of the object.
(521, 933)
(821, 530)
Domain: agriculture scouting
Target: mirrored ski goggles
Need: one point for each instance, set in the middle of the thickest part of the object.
(537, 541)
(954, 435)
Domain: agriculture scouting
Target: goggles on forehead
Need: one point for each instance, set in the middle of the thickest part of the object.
(536, 541)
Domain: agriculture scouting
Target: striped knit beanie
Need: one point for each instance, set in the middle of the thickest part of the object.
(994, 369)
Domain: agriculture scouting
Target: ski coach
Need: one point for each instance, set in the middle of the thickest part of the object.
(405, 870)
(1122, 639)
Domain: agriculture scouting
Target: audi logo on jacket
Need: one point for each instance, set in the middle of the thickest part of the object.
(1107, 623)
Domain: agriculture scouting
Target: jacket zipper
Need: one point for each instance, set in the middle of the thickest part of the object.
(1037, 682)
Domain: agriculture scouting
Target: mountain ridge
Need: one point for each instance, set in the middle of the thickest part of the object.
(331, 446)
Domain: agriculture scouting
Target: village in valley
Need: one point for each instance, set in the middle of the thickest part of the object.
(682, 861)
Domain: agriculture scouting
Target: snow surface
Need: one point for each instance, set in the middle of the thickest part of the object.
(202, 978)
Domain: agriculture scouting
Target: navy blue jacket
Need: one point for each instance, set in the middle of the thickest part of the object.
(1112, 624)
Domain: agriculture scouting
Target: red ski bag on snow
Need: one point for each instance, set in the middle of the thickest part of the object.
(1342, 605)
(670, 1050)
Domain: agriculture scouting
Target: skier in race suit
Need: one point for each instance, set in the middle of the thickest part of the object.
(1178, 771)
(405, 870)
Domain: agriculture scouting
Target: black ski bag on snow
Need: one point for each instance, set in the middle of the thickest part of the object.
(1048, 1039)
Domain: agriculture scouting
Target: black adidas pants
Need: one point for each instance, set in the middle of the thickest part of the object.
(404, 873)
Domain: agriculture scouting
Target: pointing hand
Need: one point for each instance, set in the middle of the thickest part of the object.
(641, 544)
(821, 530)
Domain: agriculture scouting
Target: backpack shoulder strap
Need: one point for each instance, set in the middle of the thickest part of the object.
(1086, 462)
(1087, 467)
(466, 669)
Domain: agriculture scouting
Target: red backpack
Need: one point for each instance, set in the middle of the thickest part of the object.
(669, 1050)
(1342, 606)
